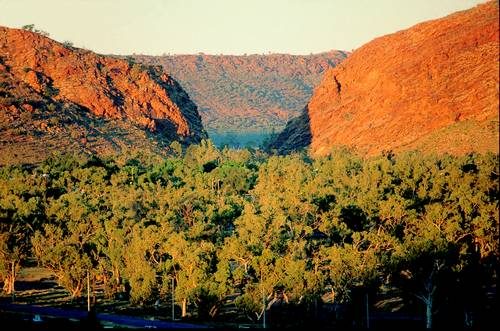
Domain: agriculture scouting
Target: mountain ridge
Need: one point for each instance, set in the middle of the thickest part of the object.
(47, 79)
(247, 92)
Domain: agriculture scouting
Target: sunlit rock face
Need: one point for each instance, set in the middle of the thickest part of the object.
(433, 87)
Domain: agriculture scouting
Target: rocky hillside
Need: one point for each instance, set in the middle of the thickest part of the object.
(56, 97)
(433, 87)
(247, 93)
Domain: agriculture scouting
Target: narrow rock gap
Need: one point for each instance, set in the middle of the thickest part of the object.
(337, 83)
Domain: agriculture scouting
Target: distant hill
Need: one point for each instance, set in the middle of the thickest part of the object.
(433, 87)
(54, 97)
(247, 93)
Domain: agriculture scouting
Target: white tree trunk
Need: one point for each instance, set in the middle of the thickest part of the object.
(184, 307)
(9, 282)
(428, 313)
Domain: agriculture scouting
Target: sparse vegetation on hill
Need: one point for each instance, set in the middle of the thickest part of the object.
(54, 97)
(250, 92)
(31, 28)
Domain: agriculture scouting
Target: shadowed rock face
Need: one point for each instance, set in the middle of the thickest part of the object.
(37, 71)
(433, 87)
(295, 136)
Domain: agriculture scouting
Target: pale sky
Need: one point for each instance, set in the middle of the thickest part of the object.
(222, 26)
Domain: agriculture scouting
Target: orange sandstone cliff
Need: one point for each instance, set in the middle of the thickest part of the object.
(46, 87)
(433, 87)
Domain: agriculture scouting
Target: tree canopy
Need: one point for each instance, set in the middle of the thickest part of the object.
(236, 223)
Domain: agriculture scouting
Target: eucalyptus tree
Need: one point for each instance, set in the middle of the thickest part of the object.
(66, 243)
(21, 213)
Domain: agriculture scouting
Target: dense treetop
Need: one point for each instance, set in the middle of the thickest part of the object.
(240, 224)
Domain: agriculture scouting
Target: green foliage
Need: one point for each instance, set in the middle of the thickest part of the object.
(68, 43)
(31, 27)
(52, 107)
(28, 27)
(66, 244)
(231, 223)
(21, 211)
(50, 91)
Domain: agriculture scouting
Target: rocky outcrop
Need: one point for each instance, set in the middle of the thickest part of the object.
(295, 136)
(433, 87)
(37, 71)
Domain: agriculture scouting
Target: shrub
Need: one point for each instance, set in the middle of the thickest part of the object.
(31, 27)
(50, 91)
(54, 121)
(51, 107)
(28, 27)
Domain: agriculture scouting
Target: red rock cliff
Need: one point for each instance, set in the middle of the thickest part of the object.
(108, 87)
(433, 87)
